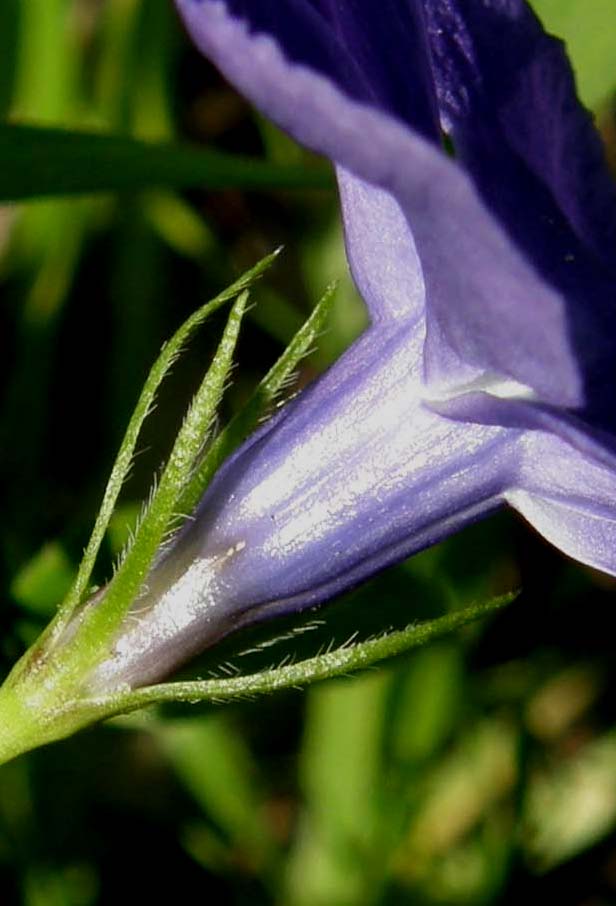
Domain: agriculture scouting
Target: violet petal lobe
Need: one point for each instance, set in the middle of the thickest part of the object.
(381, 251)
(507, 95)
(488, 306)
(505, 89)
(569, 497)
(390, 44)
(565, 483)
(351, 43)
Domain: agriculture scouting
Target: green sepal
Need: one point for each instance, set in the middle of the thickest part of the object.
(161, 514)
(259, 404)
(168, 355)
(342, 661)
(39, 718)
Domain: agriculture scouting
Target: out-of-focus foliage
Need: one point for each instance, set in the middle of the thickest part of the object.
(35, 162)
(479, 770)
(590, 34)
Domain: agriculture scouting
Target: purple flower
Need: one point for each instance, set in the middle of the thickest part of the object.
(487, 374)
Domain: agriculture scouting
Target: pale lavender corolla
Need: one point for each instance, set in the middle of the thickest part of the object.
(486, 375)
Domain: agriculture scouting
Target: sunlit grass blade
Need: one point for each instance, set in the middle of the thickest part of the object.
(37, 162)
(169, 353)
(339, 662)
(162, 511)
(265, 395)
(225, 785)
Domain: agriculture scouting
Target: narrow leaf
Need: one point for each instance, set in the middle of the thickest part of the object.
(37, 161)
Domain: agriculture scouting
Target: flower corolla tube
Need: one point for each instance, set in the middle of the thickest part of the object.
(487, 373)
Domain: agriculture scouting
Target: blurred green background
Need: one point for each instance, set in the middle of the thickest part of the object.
(479, 770)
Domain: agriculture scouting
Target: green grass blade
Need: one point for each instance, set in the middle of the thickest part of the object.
(224, 786)
(167, 357)
(259, 403)
(37, 161)
(340, 662)
(163, 508)
(9, 45)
